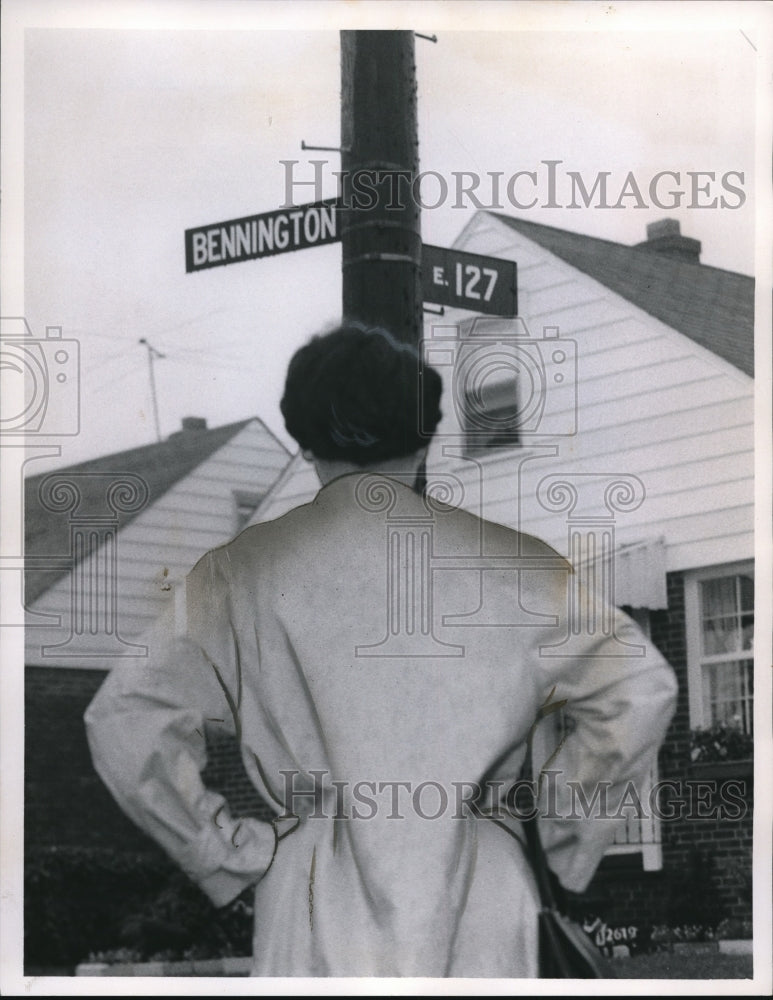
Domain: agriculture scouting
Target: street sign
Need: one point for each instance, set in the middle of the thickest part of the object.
(469, 281)
(265, 235)
(449, 277)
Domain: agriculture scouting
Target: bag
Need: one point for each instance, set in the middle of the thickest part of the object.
(565, 950)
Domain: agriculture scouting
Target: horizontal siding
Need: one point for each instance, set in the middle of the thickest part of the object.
(716, 457)
(644, 402)
(650, 403)
(159, 523)
(297, 486)
(724, 549)
(194, 516)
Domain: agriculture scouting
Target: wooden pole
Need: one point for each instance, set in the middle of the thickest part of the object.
(380, 224)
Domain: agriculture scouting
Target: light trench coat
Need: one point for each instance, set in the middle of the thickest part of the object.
(377, 656)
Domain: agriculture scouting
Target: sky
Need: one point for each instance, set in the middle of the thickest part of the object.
(140, 122)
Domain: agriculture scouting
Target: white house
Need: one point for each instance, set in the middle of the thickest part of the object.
(656, 391)
(105, 539)
(614, 419)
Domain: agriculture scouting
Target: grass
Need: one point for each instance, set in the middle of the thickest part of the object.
(668, 965)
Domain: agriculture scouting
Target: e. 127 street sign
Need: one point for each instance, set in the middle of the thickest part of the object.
(449, 277)
(469, 281)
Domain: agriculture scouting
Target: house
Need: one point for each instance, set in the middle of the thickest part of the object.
(105, 541)
(616, 422)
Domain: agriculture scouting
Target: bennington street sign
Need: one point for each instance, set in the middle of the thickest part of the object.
(265, 235)
(449, 277)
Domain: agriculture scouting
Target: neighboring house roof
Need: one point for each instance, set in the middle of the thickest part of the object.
(161, 466)
(715, 308)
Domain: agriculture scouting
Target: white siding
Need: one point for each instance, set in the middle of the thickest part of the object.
(297, 485)
(165, 541)
(651, 403)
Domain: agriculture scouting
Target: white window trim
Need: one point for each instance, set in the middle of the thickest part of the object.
(692, 624)
(242, 499)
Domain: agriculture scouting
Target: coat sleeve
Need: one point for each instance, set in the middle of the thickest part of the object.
(146, 728)
(620, 696)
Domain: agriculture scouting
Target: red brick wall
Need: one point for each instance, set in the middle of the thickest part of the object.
(66, 803)
(717, 849)
(707, 862)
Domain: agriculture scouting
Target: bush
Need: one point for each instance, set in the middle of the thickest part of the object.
(722, 741)
(733, 929)
(80, 902)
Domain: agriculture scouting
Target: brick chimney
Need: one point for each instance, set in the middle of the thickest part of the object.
(194, 424)
(190, 425)
(664, 237)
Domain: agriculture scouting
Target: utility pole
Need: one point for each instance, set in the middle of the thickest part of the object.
(380, 234)
(153, 353)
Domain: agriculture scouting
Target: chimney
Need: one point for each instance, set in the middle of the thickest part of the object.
(190, 425)
(194, 424)
(664, 237)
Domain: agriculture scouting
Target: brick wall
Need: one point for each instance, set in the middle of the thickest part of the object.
(225, 772)
(66, 803)
(711, 845)
(707, 856)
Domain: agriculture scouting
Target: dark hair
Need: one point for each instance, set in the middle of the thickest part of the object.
(360, 395)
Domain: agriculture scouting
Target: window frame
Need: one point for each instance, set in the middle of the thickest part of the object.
(693, 621)
(243, 499)
(500, 439)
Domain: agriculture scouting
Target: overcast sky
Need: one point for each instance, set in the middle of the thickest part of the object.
(133, 134)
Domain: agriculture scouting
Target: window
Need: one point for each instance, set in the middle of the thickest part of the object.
(245, 504)
(720, 643)
(492, 416)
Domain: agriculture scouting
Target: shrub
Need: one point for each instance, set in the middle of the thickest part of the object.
(722, 741)
(81, 901)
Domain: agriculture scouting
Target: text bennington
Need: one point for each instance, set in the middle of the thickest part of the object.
(263, 235)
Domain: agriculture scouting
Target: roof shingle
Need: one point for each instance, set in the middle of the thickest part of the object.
(160, 466)
(715, 308)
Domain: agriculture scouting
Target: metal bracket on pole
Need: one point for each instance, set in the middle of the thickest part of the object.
(326, 149)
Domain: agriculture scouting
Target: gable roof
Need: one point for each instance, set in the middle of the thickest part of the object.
(715, 308)
(160, 465)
